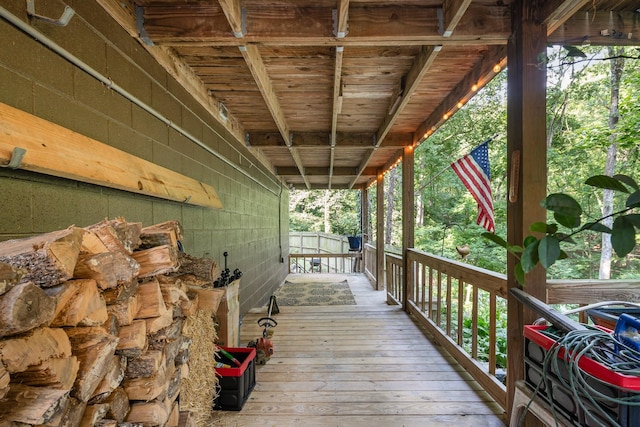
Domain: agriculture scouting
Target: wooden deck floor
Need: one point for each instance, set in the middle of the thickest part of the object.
(360, 365)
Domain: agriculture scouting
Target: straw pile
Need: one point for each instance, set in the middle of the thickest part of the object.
(197, 391)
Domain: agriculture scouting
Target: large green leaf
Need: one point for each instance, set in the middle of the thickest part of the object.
(548, 251)
(623, 236)
(627, 180)
(566, 210)
(606, 182)
(543, 227)
(519, 272)
(634, 219)
(564, 237)
(567, 220)
(530, 257)
(633, 201)
(596, 226)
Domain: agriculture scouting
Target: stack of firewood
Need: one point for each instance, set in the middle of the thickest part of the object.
(91, 325)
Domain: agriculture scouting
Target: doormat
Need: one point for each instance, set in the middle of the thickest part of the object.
(315, 293)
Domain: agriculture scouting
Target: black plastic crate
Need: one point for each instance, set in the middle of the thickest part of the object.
(235, 383)
(597, 376)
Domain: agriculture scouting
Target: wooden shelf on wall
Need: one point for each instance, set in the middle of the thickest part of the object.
(54, 150)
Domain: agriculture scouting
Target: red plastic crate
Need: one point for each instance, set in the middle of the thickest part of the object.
(590, 366)
(235, 383)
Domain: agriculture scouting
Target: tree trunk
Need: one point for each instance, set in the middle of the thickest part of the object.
(327, 211)
(390, 206)
(617, 67)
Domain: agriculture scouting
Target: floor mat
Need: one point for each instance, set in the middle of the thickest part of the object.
(315, 293)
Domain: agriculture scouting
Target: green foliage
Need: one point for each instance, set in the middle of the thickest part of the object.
(568, 214)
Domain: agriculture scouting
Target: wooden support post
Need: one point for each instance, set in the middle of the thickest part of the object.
(364, 220)
(380, 285)
(408, 218)
(526, 162)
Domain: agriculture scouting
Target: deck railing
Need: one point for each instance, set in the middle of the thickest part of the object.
(458, 304)
(370, 254)
(325, 263)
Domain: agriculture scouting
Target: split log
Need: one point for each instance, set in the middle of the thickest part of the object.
(174, 416)
(78, 303)
(148, 413)
(106, 423)
(110, 237)
(58, 372)
(71, 416)
(190, 307)
(173, 293)
(205, 269)
(118, 405)
(209, 299)
(48, 259)
(149, 388)
(32, 405)
(9, 277)
(133, 339)
(38, 345)
(151, 301)
(4, 381)
(93, 414)
(120, 293)
(112, 325)
(108, 269)
(157, 260)
(91, 244)
(156, 324)
(23, 308)
(171, 332)
(186, 420)
(111, 381)
(164, 233)
(125, 312)
(94, 348)
(146, 365)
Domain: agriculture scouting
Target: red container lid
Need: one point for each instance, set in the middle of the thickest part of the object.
(590, 366)
(249, 354)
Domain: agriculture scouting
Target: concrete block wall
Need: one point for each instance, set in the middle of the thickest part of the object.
(253, 224)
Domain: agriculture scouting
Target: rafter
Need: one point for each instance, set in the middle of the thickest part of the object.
(419, 68)
(337, 105)
(258, 70)
(320, 139)
(453, 11)
(233, 11)
(342, 18)
(560, 10)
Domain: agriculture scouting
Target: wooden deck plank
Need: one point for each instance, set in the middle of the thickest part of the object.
(360, 365)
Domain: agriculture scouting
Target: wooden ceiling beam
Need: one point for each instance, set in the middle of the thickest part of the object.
(289, 171)
(320, 139)
(233, 11)
(598, 29)
(411, 81)
(258, 70)
(558, 11)
(453, 11)
(390, 24)
(341, 20)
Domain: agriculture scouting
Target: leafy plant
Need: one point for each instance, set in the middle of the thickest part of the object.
(567, 213)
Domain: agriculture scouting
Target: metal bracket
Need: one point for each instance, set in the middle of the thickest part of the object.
(16, 158)
(334, 17)
(243, 24)
(64, 19)
(142, 32)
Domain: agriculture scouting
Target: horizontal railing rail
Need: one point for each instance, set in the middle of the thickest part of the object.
(370, 264)
(325, 263)
(394, 271)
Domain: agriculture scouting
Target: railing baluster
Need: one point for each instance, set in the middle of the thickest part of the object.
(492, 333)
(430, 308)
(474, 324)
(460, 312)
(449, 304)
(439, 299)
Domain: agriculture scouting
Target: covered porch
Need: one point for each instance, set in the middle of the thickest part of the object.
(357, 365)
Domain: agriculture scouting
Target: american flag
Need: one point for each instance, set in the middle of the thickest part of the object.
(474, 172)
